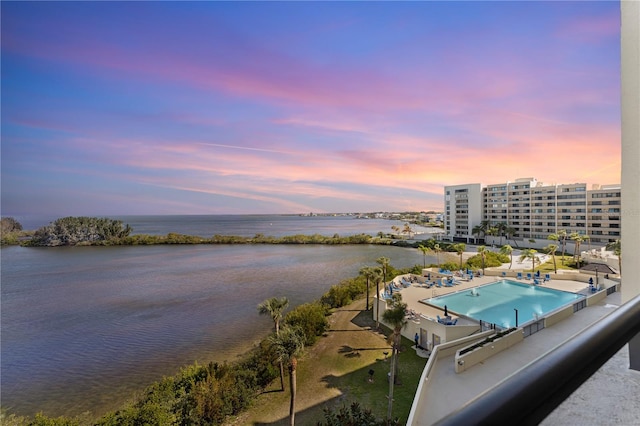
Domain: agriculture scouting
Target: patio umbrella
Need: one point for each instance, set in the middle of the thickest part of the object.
(598, 267)
(446, 314)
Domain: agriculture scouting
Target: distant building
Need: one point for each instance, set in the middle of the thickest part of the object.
(462, 211)
(532, 210)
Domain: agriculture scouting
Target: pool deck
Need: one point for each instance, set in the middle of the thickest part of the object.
(413, 295)
(609, 397)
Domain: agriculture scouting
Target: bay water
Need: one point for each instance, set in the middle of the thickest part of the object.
(85, 328)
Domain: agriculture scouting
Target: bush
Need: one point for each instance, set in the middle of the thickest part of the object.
(492, 259)
(311, 318)
(354, 415)
(71, 231)
(344, 293)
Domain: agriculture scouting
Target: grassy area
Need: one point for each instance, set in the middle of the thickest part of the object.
(547, 267)
(335, 371)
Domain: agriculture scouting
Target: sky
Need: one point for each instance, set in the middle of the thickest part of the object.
(124, 108)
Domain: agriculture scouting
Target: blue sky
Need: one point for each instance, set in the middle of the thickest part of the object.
(289, 107)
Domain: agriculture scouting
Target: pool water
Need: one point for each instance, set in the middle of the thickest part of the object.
(496, 302)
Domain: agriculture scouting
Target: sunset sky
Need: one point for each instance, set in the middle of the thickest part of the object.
(292, 107)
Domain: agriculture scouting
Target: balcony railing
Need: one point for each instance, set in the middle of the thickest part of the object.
(530, 395)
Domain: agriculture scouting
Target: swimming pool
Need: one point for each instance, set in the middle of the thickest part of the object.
(495, 302)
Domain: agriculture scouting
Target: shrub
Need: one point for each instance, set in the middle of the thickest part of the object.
(71, 231)
(492, 259)
(344, 293)
(311, 318)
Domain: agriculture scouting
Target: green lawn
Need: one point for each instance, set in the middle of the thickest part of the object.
(335, 372)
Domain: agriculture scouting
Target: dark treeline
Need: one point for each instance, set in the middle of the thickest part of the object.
(91, 231)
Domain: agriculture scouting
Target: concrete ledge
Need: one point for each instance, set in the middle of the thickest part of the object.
(489, 349)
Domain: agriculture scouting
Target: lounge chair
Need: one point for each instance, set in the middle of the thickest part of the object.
(536, 282)
(547, 277)
(528, 275)
(439, 319)
(504, 274)
(455, 321)
(519, 276)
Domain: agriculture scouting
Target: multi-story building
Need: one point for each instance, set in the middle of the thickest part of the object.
(462, 210)
(603, 213)
(532, 210)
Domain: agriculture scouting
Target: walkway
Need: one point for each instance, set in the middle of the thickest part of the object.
(448, 391)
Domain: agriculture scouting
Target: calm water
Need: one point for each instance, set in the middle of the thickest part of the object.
(245, 225)
(495, 303)
(84, 328)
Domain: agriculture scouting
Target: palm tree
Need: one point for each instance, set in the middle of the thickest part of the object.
(509, 232)
(477, 230)
(508, 251)
(502, 229)
(396, 316)
(407, 230)
(369, 274)
(551, 249)
(384, 264)
(577, 239)
(437, 250)
(288, 347)
(562, 234)
(529, 254)
(275, 307)
(616, 247)
(425, 250)
(377, 276)
(460, 248)
(482, 251)
(493, 231)
(395, 229)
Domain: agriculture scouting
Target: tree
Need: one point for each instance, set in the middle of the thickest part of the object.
(562, 235)
(9, 224)
(616, 247)
(485, 225)
(502, 229)
(459, 249)
(288, 347)
(274, 307)
(407, 230)
(551, 249)
(369, 274)
(437, 250)
(476, 230)
(396, 316)
(529, 254)
(71, 231)
(577, 239)
(482, 251)
(507, 250)
(384, 264)
(395, 229)
(509, 232)
(493, 231)
(377, 276)
(425, 250)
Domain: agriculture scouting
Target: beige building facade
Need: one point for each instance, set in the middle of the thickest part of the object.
(533, 210)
